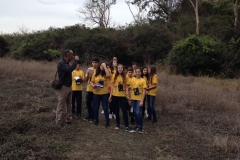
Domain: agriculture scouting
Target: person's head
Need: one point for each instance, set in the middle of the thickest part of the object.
(138, 72)
(120, 72)
(145, 71)
(100, 70)
(134, 65)
(68, 55)
(115, 59)
(152, 70)
(130, 72)
(114, 63)
(95, 62)
(125, 69)
(79, 65)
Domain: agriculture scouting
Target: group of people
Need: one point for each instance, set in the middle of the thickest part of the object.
(113, 85)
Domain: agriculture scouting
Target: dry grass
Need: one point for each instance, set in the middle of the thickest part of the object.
(198, 119)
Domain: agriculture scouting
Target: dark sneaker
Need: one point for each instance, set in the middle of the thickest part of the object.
(135, 129)
(95, 123)
(68, 123)
(107, 124)
(154, 122)
(117, 127)
(128, 129)
(140, 131)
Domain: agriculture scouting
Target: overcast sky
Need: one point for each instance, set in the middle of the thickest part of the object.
(36, 15)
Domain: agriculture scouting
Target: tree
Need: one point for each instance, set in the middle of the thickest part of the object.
(141, 16)
(195, 7)
(157, 9)
(97, 12)
(235, 10)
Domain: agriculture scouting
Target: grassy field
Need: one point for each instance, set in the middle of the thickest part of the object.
(198, 119)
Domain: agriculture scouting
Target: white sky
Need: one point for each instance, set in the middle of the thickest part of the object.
(36, 15)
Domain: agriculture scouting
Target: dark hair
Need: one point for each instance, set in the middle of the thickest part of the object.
(134, 63)
(121, 74)
(152, 72)
(111, 67)
(99, 71)
(130, 69)
(78, 62)
(125, 67)
(66, 52)
(95, 59)
(147, 75)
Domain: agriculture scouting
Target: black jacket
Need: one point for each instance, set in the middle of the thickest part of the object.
(65, 72)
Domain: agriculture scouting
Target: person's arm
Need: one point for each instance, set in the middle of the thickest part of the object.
(92, 82)
(106, 70)
(143, 95)
(110, 97)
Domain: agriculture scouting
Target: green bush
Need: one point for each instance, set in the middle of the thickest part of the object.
(196, 55)
(3, 46)
(51, 54)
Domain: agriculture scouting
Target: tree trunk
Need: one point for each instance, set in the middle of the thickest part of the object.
(235, 10)
(197, 18)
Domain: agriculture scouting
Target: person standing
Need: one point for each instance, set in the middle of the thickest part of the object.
(138, 90)
(152, 92)
(77, 79)
(100, 92)
(118, 96)
(65, 92)
(89, 92)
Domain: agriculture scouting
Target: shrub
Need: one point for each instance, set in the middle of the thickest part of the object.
(196, 55)
(3, 46)
(52, 54)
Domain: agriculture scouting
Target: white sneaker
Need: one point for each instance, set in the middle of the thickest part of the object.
(102, 112)
(114, 116)
(146, 113)
(110, 116)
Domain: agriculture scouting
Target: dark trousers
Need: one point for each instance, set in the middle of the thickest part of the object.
(77, 99)
(89, 99)
(122, 101)
(104, 99)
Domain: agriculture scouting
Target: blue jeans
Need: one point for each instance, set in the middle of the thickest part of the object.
(89, 99)
(122, 101)
(151, 101)
(137, 113)
(97, 98)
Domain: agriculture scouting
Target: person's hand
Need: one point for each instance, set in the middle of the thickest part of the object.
(76, 58)
(129, 102)
(141, 103)
(104, 65)
(110, 99)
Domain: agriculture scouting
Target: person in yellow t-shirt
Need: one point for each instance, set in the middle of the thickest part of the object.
(144, 75)
(129, 106)
(77, 79)
(89, 92)
(138, 90)
(134, 66)
(113, 69)
(152, 92)
(118, 96)
(100, 90)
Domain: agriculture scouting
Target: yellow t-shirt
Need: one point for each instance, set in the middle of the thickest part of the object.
(75, 74)
(139, 83)
(145, 78)
(128, 82)
(154, 80)
(104, 81)
(118, 86)
(89, 87)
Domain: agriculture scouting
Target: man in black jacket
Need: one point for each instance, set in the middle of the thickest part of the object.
(65, 92)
